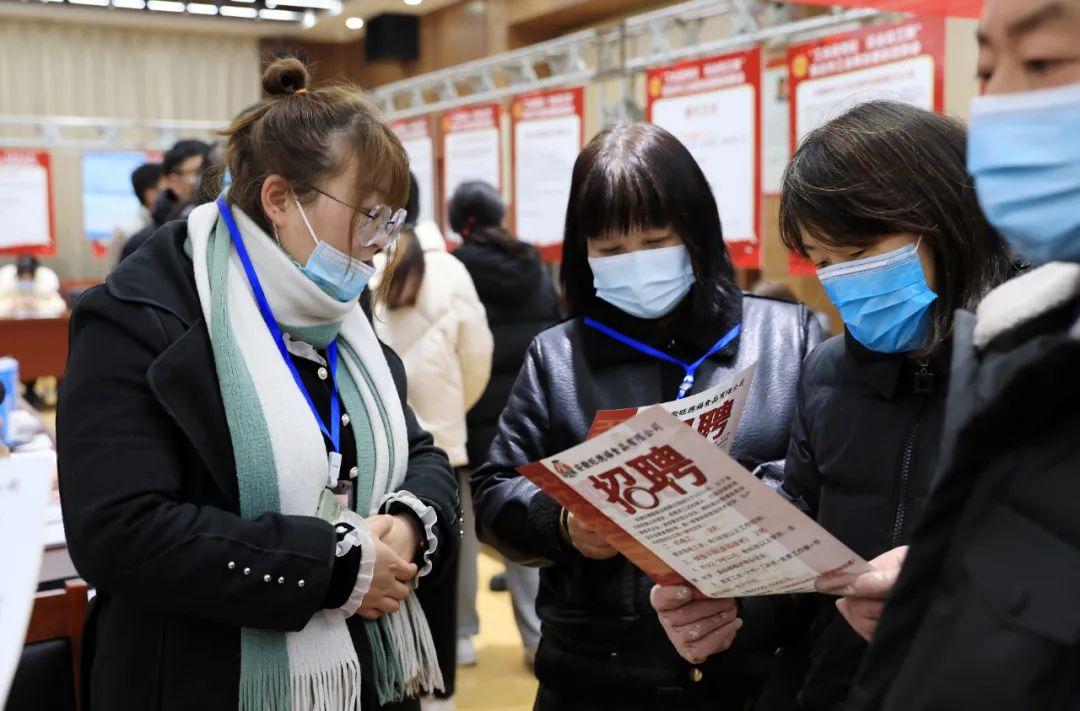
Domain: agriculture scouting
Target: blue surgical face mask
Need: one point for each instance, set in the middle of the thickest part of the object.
(1024, 153)
(884, 300)
(648, 283)
(339, 275)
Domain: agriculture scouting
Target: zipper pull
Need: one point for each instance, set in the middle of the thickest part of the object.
(924, 379)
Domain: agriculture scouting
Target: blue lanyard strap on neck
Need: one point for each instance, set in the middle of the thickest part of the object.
(690, 368)
(334, 431)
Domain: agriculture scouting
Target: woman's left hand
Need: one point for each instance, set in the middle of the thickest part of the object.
(402, 536)
(697, 628)
(864, 595)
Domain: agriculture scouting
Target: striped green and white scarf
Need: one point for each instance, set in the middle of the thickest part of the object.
(281, 462)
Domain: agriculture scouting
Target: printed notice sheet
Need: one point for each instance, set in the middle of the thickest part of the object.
(714, 413)
(685, 512)
(25, 480)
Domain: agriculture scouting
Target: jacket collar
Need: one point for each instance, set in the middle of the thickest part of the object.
(1007, 311)
(687, 333)
(890, 374)
(183, 377)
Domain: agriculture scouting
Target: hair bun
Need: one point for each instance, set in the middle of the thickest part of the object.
(285, 76)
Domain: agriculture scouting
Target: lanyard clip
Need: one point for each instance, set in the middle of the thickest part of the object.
(687, 383)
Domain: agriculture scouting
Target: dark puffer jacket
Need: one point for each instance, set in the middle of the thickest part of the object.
(864, 444)
(601, 638)
(521, 302)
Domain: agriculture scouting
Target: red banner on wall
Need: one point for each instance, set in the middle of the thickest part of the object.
(548, 133)
(26, 203)
(714, 107)
(932, 8)
(898, 62)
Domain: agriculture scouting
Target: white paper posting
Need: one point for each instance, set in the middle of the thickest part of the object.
(24, 205)
(25, 480)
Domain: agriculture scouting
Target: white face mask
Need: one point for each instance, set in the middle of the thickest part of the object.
(647, 283)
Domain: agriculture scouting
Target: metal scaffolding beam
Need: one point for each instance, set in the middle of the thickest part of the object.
(89, 132)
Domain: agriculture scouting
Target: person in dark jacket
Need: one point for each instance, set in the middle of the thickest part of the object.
(181, 167)
(241, 479)
(520, 300)
(983, 615)
(644, 255)
(880, 201)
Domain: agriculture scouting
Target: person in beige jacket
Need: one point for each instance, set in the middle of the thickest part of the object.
(434, 319)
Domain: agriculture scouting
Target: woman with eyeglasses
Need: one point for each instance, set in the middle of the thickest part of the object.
(241, 478)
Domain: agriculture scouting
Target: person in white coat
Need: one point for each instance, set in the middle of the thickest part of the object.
(435, 321)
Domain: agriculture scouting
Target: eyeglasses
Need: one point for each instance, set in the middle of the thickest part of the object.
(383, 224)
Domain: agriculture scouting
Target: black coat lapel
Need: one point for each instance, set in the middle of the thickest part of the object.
(184, 380)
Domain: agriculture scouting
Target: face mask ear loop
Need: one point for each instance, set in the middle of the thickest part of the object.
(303, 216)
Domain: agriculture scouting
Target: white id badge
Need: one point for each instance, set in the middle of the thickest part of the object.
(333, 469)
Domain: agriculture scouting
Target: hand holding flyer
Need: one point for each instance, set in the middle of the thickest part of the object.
(686, 513)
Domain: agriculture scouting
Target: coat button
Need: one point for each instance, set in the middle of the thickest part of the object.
(247, 571)
(354, 472)
(696, 675)
(232, 564)
(323, 374)
(281, 581)
(299, 583)
(266, 578)
(345, 420)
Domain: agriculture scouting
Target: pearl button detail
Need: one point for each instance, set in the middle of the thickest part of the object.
(266, 578)
(345, 420)
(353, 473)
(247, 571)
(232, 564)
(323, 374)
(300, 583)
(281, 581)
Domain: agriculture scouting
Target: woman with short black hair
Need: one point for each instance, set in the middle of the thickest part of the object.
(643, 257)
(880, 200)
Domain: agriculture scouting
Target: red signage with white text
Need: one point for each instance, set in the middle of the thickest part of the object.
(26, 203)
(548, 133)
(714, 107)
(472, 149)
(898, 62)
(934, 8)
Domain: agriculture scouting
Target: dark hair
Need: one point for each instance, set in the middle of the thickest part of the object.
(887, 168)
(412, 205)
(304, 136)
(26, 264)
(408, 273)
(145, 177)
(476, 211)
(213, 173)
(639, 177)
(180, 152)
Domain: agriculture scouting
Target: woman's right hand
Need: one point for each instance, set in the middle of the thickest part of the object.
(587, 541)
(389, 583)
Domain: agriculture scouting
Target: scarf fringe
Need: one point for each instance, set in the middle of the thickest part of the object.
(403, 652)
(327, 690)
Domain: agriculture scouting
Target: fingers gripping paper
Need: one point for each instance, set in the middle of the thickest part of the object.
(685, 512)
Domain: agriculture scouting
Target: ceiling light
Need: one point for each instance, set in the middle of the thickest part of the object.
(201, 8)
(310, 4)
(413, 2)
(98, 3)
(130, 4)
(280, 15)
(310, 20)
(165, 6)
(354, 23)
(248, 13)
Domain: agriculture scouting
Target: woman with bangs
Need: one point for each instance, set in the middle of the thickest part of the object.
(645, 272)
(242, 480)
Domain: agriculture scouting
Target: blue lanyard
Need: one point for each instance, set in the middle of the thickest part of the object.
(334, 433)
(690, 368)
